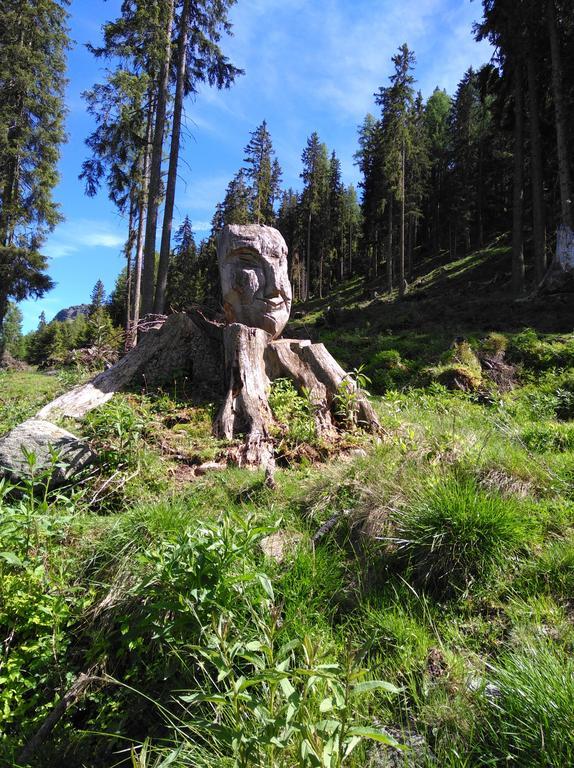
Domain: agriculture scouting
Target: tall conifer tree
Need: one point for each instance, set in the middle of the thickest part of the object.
(33, 44)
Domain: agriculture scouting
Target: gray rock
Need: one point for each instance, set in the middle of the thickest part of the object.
(59, 455)
(71, 313)
(279, 544)
(415, 752)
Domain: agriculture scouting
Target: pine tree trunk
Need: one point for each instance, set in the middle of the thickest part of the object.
(480, 197)
(410, 233)
(561, 119)
(129, 267)
(402, 243)
(351, 249)
(143, 194)
(390, 246)
(3, 311)
(161, 285)
(308, 259)
(154, 194)
(518, 187)
(539, 235)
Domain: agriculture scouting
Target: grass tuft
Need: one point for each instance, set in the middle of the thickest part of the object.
(454, 533)
(531, 721)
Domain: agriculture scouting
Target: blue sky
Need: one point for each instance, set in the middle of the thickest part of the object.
(310, 65)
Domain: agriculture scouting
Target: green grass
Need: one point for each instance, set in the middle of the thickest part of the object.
(530, 722)
(452, 534)
(448, 568)
(24, 393)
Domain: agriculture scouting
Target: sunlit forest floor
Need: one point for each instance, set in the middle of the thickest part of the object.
(417, 586)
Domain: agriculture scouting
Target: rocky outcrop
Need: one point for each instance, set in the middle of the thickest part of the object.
(71, 313)
(39, 450)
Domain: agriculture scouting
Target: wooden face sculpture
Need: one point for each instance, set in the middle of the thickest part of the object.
(254, 278)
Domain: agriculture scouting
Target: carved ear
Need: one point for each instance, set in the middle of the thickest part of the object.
(228, 312)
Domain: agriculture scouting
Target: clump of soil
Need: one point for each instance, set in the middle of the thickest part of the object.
(10, 363)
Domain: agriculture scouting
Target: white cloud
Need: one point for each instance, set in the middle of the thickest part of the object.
(73, 235)
(333, 55)
(201, 226)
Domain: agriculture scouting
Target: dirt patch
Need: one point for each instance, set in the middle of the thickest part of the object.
(501, 482)
(9, 363)
(497, 370)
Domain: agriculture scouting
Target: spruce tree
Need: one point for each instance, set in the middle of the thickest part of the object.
(199, 60)
(33, 44)
(97, 297)
(11, 338)
(185, 284)
(396, 102)
(437, 111)
(264, 172)
(314, 204)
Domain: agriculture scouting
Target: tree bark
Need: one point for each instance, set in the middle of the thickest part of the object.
(178, 348)
(539, 235)
(154, 193)
(390, 245)
(242, 359)
(246, 410)
(77, 690)
(561, 119)
(518, 187)
(351, 249)
(161, 284)
(143, 194)
(129, 268)
(308, 259)
(402, 244)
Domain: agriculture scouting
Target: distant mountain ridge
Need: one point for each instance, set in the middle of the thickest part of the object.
(70, 313)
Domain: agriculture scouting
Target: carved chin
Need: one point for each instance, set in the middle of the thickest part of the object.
(271, 322)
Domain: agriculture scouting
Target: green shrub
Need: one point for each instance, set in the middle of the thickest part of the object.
(116, 429)
(38, 615)
(542, 438)
(494, 345)
(295, 413)
(454, 533)
(460, 369)
(541, 354)
(387, 370)
(530, 722)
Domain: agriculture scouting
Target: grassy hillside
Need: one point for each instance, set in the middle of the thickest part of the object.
(424, 587)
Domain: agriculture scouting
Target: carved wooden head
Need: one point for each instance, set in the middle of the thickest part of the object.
(254, 278)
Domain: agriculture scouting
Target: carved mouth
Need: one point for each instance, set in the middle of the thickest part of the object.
(272, 306)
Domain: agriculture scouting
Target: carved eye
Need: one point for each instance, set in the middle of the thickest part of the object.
(247, 260)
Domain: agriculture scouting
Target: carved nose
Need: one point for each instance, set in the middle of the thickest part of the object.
(271, 289)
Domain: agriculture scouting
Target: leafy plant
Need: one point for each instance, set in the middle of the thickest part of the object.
(295, 412)
(550, 436)
(349, 392)
(270, 709)
(117, 431)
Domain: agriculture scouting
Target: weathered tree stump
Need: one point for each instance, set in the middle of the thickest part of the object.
(178, 348)
(245, 410)
(239, 360)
